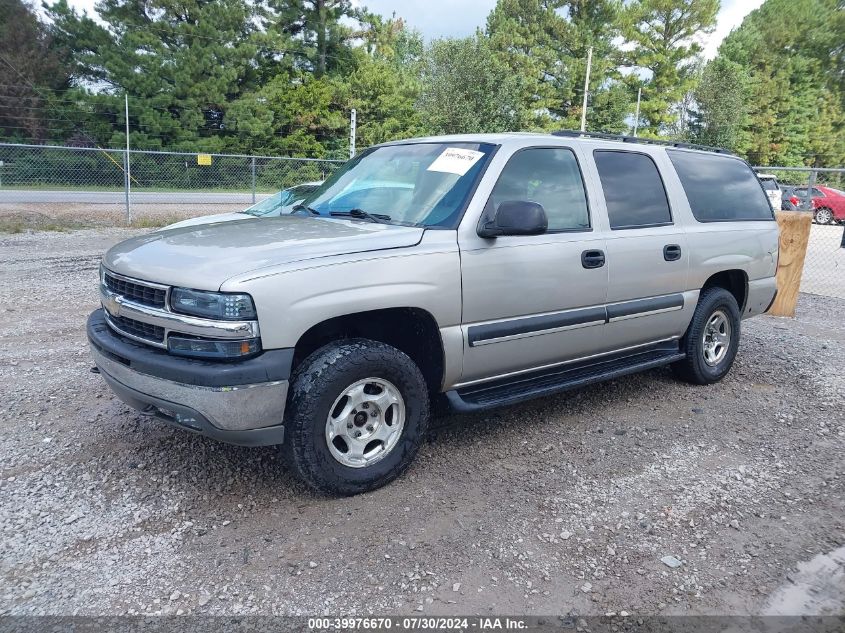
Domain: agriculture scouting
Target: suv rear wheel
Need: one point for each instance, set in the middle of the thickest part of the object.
(712, 339)
(357, 414)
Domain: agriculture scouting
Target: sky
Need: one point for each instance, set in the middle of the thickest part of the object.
(458, 18)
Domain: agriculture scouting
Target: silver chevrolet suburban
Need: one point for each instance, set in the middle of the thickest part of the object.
(475, 270)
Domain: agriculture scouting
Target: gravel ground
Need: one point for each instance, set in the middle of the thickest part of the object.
(569, 504)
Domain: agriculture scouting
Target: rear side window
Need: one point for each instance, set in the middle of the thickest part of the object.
(633, 190)
(720, 188)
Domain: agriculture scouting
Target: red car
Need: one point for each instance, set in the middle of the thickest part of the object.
(828, 205)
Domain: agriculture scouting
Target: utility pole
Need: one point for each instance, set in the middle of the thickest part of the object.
(253, 180)
(586, 89)
(352, 116)
(637, 115)
(126, 176)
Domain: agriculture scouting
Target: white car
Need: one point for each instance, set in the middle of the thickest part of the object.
(272, 206)
(770, 184)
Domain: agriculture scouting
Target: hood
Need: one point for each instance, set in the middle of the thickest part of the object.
(208, 219)
(204, 256)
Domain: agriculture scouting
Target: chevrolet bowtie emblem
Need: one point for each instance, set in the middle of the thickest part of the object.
(112, 306)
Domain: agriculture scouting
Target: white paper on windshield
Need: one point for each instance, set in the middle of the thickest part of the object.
(455, 160)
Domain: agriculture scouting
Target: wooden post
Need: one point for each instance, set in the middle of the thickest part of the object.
(794, 236)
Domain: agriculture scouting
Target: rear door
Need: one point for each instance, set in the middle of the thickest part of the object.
(647, 252)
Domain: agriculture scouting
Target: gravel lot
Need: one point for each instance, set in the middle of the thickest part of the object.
(567, 504)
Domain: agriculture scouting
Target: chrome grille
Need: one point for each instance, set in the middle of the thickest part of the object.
(140, 329)
(134, 291)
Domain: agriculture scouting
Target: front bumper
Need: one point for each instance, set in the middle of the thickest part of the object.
(236, 402)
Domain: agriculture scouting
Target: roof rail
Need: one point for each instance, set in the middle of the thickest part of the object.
(639, 139)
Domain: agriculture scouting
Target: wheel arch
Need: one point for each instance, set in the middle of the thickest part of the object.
(414, 331)
(734, 281)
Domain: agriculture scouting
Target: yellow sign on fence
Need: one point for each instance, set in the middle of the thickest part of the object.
(204, 159)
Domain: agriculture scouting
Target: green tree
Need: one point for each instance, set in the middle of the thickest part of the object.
(317, 28)
(661, 34)
(525, 36)
(792, 53)
(546, 41)
(720, 98)
(180, 62)
(32, 67)
(466, 88)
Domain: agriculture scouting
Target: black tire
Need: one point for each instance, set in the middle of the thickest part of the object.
(695, 368)
(317, 384)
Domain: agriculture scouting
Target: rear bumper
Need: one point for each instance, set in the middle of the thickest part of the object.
(761, 296)
(239, 403)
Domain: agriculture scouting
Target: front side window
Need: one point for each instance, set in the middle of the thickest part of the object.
(550, 177)
(720, 188)
(420, 184)
(633, 190)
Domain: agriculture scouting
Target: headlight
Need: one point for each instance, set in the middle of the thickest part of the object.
(212, 305)
(206, 348)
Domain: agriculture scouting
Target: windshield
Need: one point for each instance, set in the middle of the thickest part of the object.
(422, 184)
(277, 203)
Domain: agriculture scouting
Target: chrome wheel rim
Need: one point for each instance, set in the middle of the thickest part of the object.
(716, 340)
(823, 216)
(365, 422)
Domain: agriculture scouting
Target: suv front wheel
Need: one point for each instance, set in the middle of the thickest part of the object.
(712, 339)
(357, 414)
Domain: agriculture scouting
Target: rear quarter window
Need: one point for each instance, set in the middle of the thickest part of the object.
(720, 188)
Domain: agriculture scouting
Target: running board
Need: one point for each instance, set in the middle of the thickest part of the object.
(501, 393)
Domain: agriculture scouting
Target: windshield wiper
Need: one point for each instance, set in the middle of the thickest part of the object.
(360, 214)
(302, 207)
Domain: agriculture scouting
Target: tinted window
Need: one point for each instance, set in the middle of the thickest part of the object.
(769, 184)
(633, 190)
(550, 177)
(720, 188)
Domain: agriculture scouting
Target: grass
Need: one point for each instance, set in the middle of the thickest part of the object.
(17, 224)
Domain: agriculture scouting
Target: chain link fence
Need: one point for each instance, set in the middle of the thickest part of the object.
(74, 186)
(824, 266)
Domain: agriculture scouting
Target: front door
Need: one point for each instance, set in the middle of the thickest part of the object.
(530, 301)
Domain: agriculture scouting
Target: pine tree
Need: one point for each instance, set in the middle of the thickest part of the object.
(546, 41)
(32, 68)
(662, 34)
(180, 63)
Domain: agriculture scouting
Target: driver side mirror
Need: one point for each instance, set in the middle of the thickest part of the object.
(515, 217)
